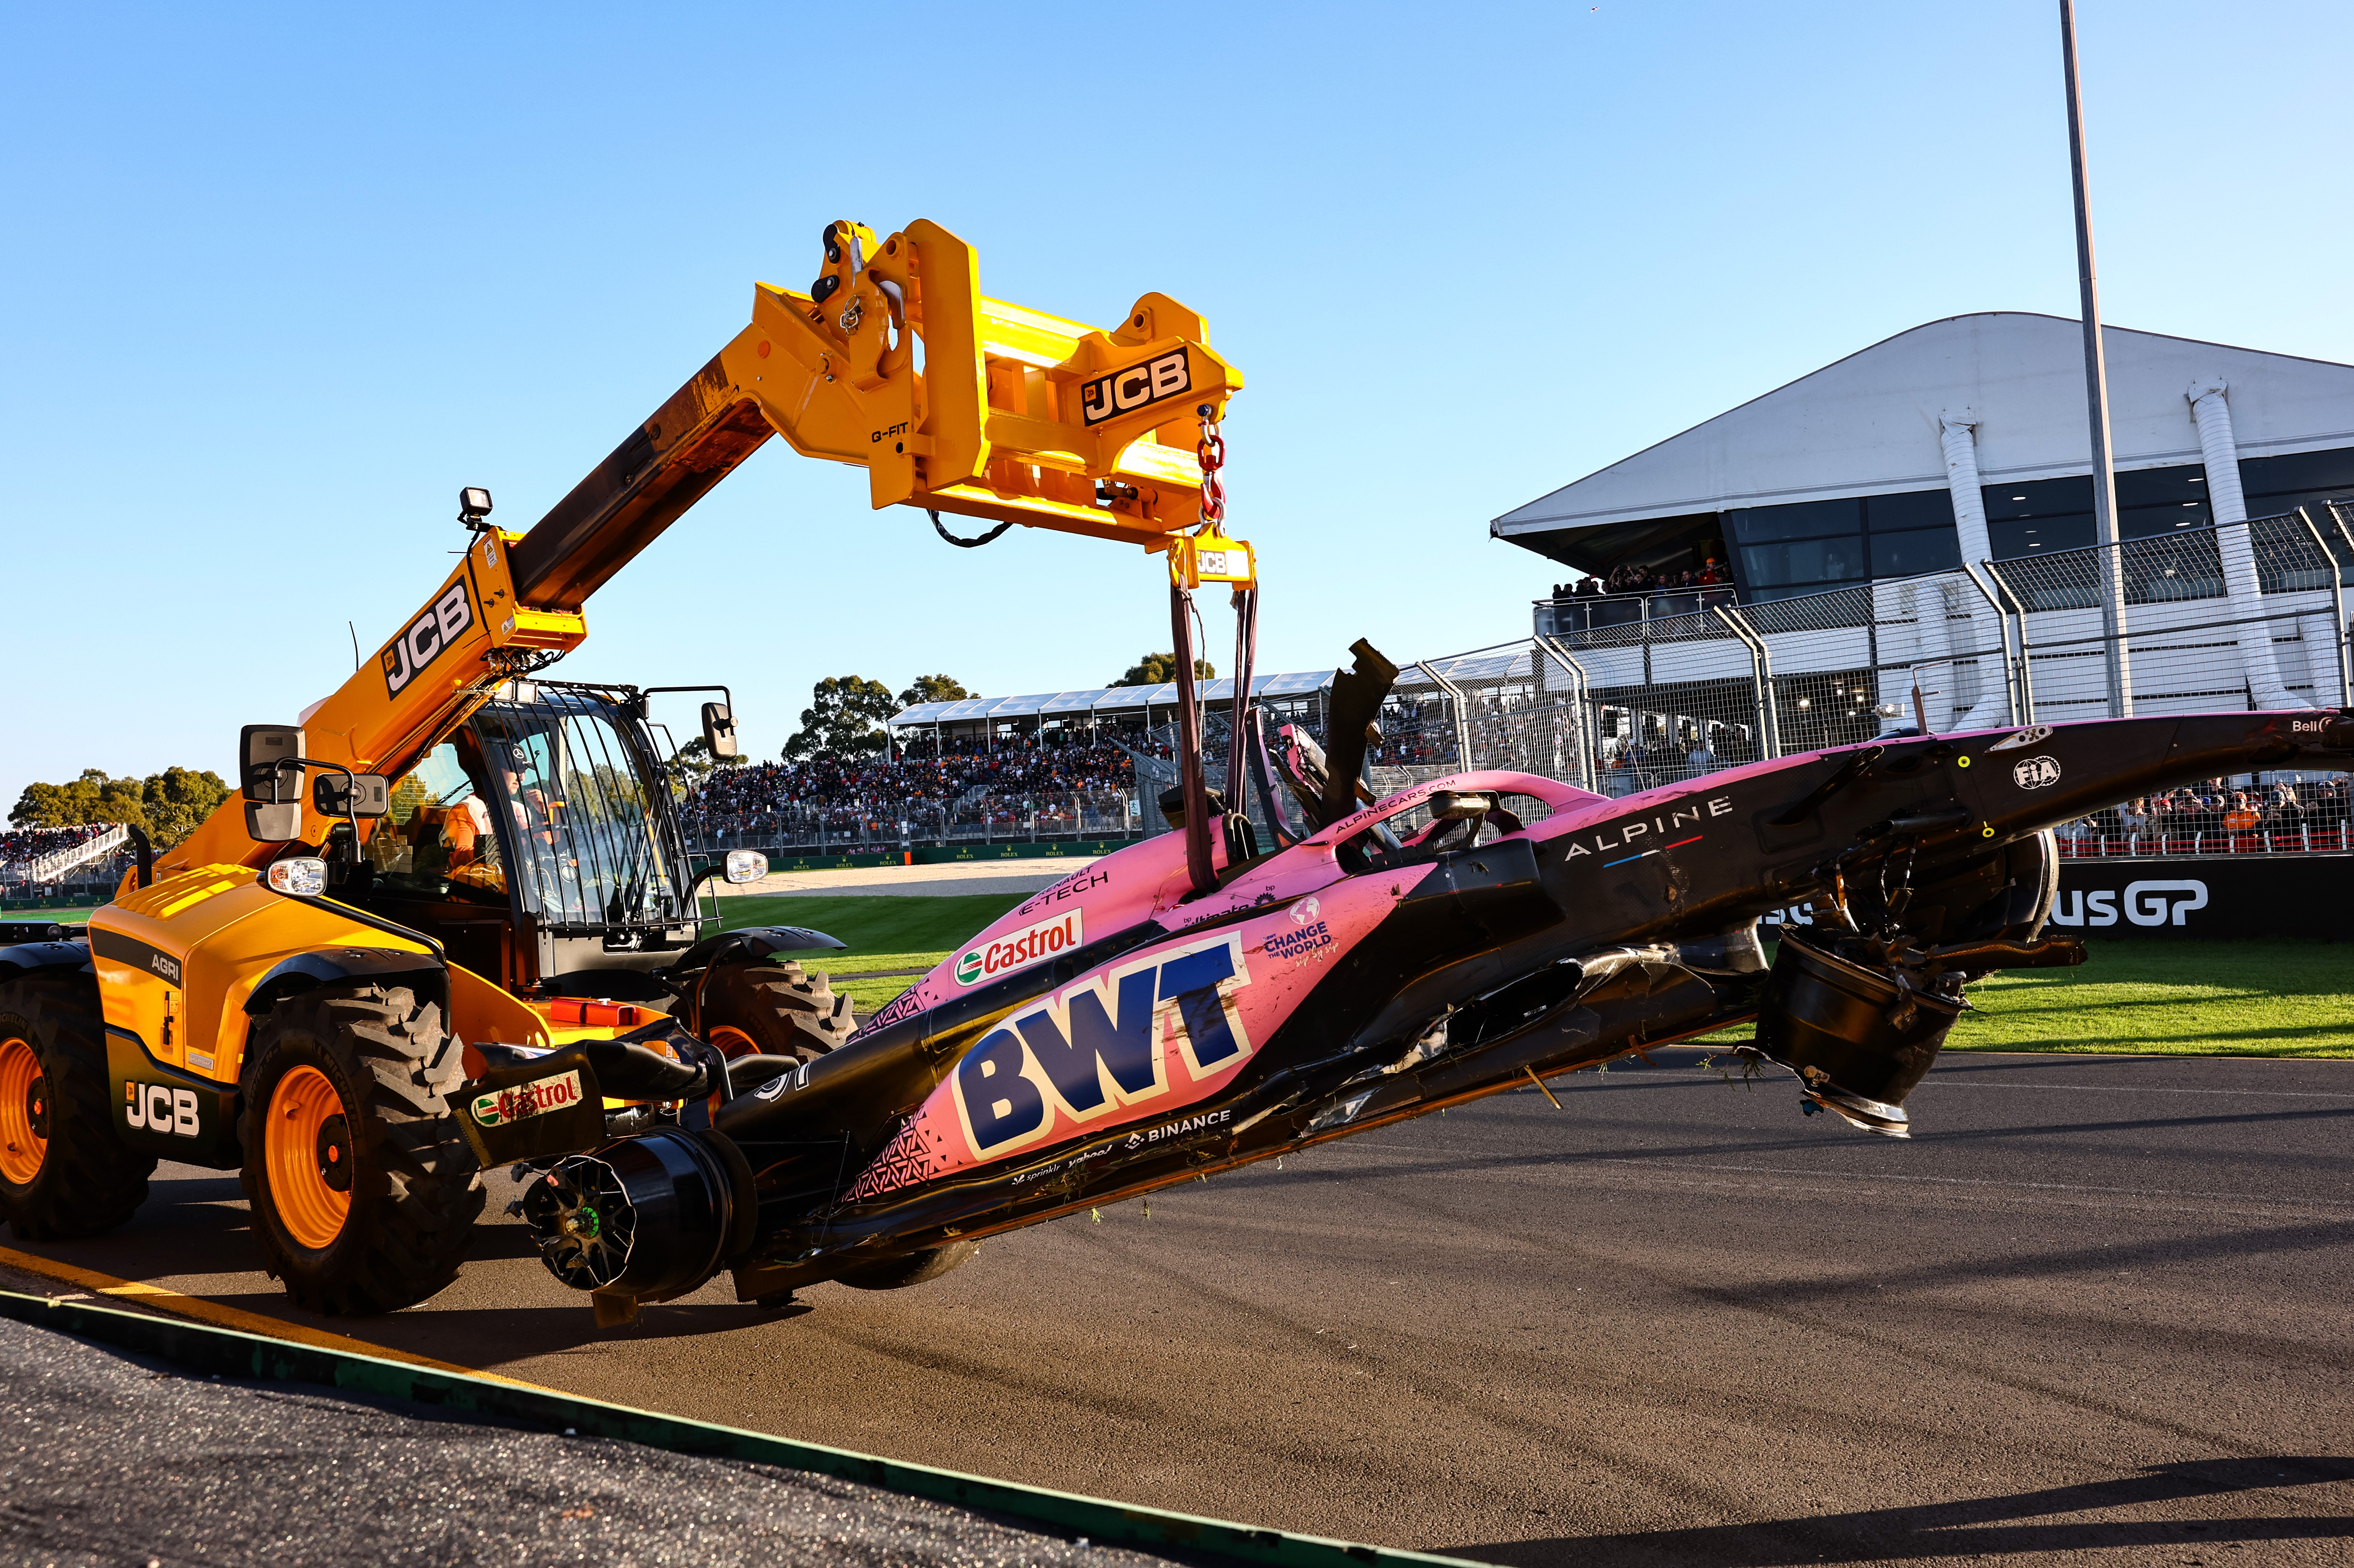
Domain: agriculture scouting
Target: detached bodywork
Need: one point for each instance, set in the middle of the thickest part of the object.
(1119, 1032)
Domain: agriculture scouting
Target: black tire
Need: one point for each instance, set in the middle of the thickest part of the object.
(781, 1010)
(916, 1268)
(414, 1187)
(88, 1182)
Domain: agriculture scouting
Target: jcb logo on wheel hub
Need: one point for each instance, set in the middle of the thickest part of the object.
(159, 1108)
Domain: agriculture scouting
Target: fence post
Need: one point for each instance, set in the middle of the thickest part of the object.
(2003, 635)
(1761, 670)
(1462, 719)
(2026, 668)
(2336, 609)
(1582, 710)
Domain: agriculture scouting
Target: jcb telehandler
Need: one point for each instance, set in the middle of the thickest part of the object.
(450, 864)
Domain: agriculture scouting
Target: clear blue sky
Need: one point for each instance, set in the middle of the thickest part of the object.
(278, 282)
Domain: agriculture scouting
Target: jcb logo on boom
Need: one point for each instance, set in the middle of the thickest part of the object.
(1098, 1047)
(159, 1108)
(426, 636)
(1125, 391)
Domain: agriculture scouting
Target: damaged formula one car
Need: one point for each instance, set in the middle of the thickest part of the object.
(1141, 1022)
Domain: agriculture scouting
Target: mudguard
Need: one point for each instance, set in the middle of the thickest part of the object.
(42, 955)
(336, 966)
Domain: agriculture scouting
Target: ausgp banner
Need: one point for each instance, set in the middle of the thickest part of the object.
(2214, 899)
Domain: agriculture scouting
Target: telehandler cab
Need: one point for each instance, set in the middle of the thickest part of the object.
(451, 864)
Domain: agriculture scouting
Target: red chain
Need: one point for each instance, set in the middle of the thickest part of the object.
(1213, 454)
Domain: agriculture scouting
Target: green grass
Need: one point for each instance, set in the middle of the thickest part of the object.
(883, 933)
(2272, 998)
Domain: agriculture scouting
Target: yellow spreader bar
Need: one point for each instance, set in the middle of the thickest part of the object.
(215, 1313)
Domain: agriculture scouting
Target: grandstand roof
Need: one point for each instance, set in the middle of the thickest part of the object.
(1104, 699)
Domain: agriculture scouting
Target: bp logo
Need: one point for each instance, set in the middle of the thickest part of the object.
(2035, 772)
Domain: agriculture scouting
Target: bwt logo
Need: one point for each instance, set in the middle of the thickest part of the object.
(1101, 1044)
(426, 636)
(159, 1108)
(2146, 904)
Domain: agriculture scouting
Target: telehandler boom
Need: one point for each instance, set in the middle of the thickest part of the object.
(448, 854)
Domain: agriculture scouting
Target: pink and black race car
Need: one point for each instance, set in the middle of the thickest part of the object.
(1129, 1027)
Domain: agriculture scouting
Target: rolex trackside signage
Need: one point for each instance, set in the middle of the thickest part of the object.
(500, 1107)
(1016, 950)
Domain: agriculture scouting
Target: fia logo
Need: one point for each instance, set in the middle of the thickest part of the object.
(425, 639)
(1099, 1046)
(1125, 391)
(2035, 772)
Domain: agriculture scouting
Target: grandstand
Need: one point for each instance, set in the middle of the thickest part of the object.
(39, 864)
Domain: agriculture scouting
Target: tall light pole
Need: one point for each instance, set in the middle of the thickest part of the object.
(2097, 393)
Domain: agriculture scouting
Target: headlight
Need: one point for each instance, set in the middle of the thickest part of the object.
(303, 878)
(747, 865)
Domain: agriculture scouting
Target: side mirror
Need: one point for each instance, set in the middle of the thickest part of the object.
(270, 824)
(746, 865)
(370, 795)
(265, 758)
(719, 730)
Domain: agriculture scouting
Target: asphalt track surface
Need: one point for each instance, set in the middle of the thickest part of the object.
(2098, 1309)
(118, 1460)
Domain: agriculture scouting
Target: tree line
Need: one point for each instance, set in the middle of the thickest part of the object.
(167, 806)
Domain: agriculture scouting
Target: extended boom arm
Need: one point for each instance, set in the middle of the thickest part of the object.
(1007, 413)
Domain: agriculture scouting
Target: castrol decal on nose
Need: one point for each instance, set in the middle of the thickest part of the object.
(1018, 949)
(526, 1100)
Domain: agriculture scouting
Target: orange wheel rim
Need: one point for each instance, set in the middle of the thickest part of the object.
(307, 1153)
(734, 1043)
(24, 1112)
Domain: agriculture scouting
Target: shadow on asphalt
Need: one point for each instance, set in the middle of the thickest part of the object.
(1971, 1528)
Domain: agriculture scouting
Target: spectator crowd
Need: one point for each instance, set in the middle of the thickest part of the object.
(1009, 781)
(2214, 818)
(24, 845)
(1633, 579)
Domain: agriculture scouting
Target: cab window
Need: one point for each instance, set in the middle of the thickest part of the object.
(437, 841)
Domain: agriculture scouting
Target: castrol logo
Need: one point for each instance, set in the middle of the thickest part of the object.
(1016, 950)
(524, 1101)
